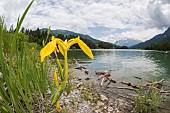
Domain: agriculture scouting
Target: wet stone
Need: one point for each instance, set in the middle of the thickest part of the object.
(103, 98)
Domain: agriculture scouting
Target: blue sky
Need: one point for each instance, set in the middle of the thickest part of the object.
(107, 20)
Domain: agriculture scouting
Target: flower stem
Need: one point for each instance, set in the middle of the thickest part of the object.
(65, 66)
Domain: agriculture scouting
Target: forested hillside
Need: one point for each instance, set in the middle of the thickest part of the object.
(163, 45)
(158, 42)
(38, 35)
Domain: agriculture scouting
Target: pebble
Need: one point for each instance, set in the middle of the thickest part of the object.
(100, 103)
(121, 103)
(110, 109)
(103, 98)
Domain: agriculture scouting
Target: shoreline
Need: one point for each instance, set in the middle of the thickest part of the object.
(87, 96)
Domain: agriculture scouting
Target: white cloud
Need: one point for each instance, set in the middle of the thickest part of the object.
(137, 19)
(137, 34)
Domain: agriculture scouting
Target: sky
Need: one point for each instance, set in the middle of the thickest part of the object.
(107, 20)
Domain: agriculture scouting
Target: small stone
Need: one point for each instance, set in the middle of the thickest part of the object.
(96, 111)
(49, 92)
(92, 104)
(87, 78)
(110, 109)
(103, 98)
(77, 92)
(79, 84)
(121, 103)
(111, 103)
(100, 103)
(96, 107)
(81, 88)
(105, 107)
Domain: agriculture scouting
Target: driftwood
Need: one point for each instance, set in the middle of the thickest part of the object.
(128, 88)
(107, 77)
(130, 84)
(161, 81)
(131, 99)
(104, 73)
(158, 85)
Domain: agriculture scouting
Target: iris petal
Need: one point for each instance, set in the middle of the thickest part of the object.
(61, 50)
(85, 49)
(47, 50)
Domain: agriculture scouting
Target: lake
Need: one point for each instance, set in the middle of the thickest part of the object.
(126, 63)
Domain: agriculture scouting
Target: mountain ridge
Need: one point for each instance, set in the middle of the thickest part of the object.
(67, 33)
(127, 42)
(156, 39)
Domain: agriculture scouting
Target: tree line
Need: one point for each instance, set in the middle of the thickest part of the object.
(38, 35)
(164, 45)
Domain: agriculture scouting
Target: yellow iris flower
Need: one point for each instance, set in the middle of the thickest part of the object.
(64, 47)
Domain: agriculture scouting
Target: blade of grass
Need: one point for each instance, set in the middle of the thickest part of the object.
(22, 18)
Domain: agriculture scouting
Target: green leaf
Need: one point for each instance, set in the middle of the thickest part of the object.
(48, 32)
(60, 70)
(55, 97)
(63, 85)
(22, 18)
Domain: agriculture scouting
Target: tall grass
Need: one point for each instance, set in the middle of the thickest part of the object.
(23, 81)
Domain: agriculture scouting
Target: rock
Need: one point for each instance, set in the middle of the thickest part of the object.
(96, 111)
(103, 98)
(105, 107)
(76, 92)
(48, 92)
(87, 78)
(79, 84)
(121, 104)
(109, 109)
(99, 103)
(111, 103)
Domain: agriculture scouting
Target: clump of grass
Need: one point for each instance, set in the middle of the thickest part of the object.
(147, 101)
(88, 93)
(24, 82)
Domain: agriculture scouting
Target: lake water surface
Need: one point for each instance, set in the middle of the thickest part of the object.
(152, 65)
(149, 65)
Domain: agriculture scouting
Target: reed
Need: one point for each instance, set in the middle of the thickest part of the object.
(23, 81)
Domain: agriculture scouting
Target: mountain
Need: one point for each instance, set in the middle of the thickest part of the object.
(67, 33)
(91, 42)
(163, 45)
(155, 40)
(127, 42)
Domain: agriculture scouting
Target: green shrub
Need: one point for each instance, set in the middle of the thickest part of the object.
(147, 101)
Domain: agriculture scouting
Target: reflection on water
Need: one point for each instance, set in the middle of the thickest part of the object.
(127, 63)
